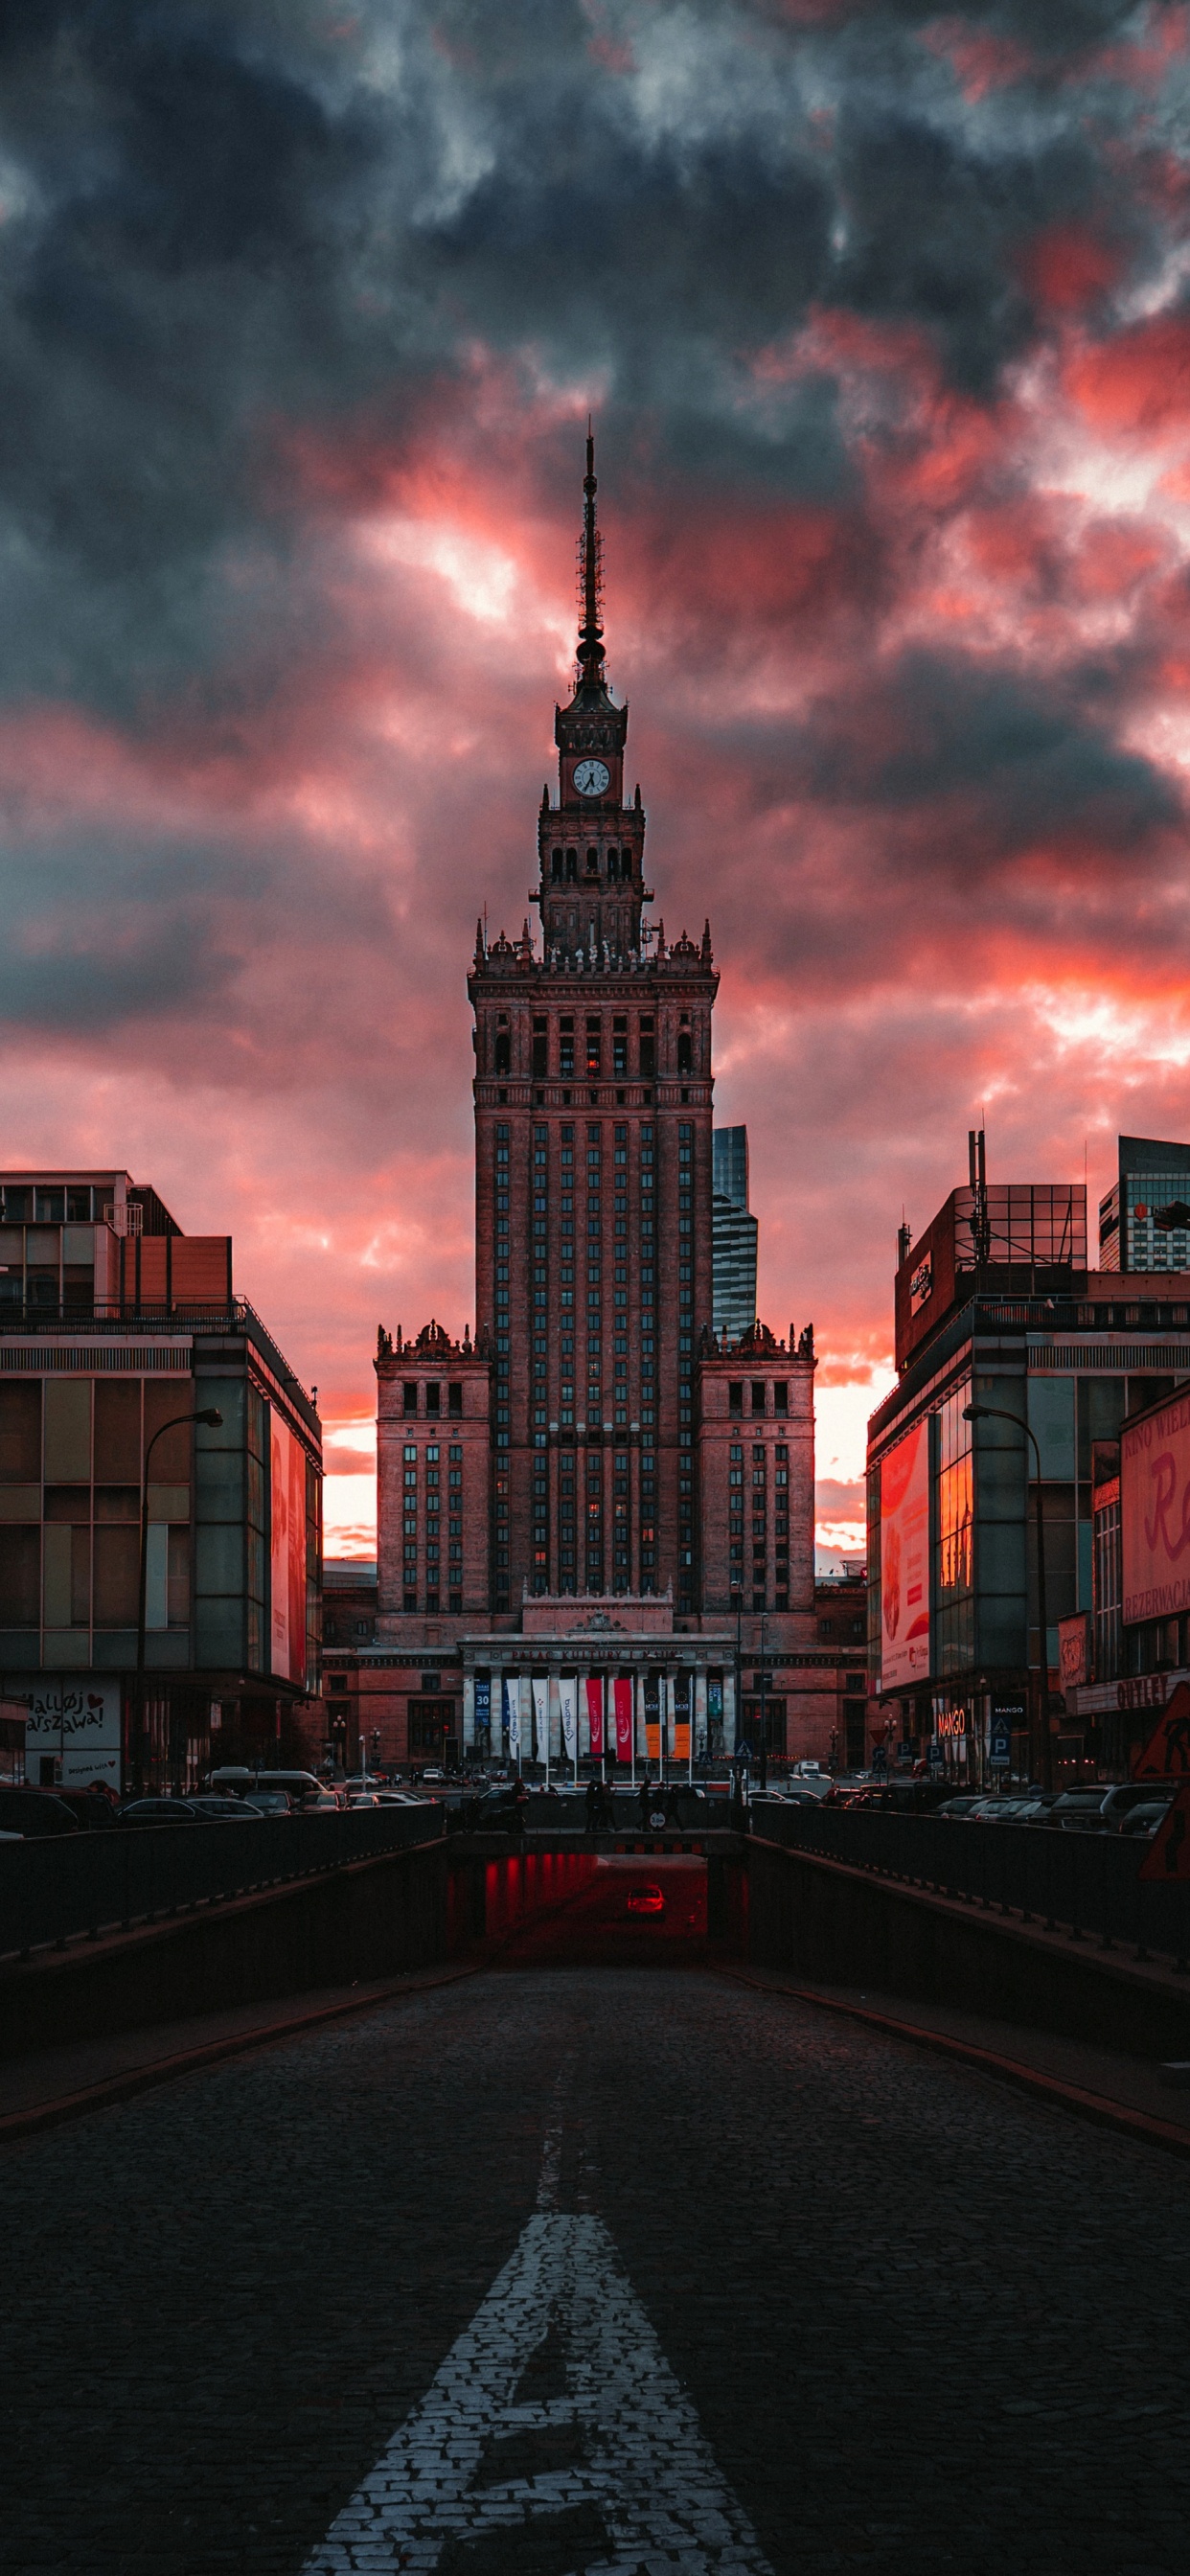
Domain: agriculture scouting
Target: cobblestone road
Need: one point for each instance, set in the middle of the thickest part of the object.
(914, 2321)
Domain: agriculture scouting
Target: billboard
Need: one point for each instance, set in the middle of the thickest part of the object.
(905, 1561)
(287, 1551)
(1155, 1513)
(76, 1718)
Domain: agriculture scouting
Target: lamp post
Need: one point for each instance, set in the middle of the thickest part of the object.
(210, 1415)
(763, 1756)
(996, 1413)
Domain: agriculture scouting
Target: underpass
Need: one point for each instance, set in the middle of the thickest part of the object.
(588, 2241)
(737, 2284)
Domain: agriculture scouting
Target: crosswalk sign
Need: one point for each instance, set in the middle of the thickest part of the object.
(1168, 1855)
(1166, 1755)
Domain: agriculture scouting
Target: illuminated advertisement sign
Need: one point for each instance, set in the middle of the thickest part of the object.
(905, 1561)
(921, 1285)
(1155, 1513)
(287, 1551)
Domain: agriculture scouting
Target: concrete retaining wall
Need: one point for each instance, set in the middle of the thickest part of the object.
(847, 1927)
(371, 1919)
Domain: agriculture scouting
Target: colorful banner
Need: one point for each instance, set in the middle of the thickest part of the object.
(905, 1561)
(512, 1713)
(654, 1685)
(1155, 1514)
(595, 1714)
(541, 1719)
(622, 1691)
(287, 1550)
(568, 1702)
(483, 1708)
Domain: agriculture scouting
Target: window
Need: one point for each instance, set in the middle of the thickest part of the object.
(455, 1395)
(758, 1390)
(735, 1397)
(593, 1037)
(410, 1394)
(503, 1052)
(953, 1569)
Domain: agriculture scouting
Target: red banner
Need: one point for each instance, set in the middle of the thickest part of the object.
(595, 1713)
(623, 1696)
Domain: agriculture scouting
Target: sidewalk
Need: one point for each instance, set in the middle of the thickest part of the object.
(1127, 2093)
(65, 2083)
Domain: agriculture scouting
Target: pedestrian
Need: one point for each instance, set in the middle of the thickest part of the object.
(591, 1823)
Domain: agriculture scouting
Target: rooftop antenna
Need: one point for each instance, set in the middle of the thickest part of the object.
(981, 1230)
(590, 567)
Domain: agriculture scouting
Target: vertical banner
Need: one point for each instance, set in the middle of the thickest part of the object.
(622, 1690)
(512, 1714)
(681, 1744)
(287, 1550)
(595, 1714)
(541, 1718)
(568, 1699)
(653, 1716)
(905, 1560)
(483, 1709)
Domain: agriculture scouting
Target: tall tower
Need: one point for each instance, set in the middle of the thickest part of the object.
(593, 1107)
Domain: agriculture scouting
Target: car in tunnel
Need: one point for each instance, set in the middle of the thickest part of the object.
(645, 1900)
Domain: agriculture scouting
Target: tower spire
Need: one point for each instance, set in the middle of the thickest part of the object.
(590, 641)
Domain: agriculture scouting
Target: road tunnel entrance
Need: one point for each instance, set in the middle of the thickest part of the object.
(619, 1909)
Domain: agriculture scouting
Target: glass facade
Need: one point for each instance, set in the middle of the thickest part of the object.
(954, 1573)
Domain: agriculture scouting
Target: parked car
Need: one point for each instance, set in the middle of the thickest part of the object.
(957, 1810)
(92, 1808)
(36, 1813)
(268, 1802)
(1146, 1820)
(236, 1780)
(159, 1811)
(644, 1900)
(213, 1810)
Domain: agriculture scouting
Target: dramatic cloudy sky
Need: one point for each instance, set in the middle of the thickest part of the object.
(884, 317)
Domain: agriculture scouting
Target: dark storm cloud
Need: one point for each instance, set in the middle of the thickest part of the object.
(221, 219)
(1030, 757)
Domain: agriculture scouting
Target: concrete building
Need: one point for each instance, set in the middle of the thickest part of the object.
(558, 1499)
(996, 1307)
(115, 1329)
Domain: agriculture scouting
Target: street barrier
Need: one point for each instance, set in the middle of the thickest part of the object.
(69, 1885)
(1085, 1884)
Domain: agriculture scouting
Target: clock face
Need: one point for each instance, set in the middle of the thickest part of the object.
(591, 777)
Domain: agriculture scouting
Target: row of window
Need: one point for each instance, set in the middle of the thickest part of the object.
(564, 865)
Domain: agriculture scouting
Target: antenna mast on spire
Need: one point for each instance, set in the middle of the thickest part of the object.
(590, 577)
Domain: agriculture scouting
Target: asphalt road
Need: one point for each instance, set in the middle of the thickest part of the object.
(653, 2270)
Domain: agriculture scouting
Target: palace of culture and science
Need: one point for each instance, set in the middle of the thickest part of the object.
(595, 1485)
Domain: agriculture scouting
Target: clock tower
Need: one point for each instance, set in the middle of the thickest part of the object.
(593, 1105)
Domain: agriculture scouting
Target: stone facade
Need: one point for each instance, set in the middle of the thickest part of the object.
(584, 1475)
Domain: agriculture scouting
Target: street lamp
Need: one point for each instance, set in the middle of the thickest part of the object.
(210, 1415)
(996, 1413)
(763, 1764)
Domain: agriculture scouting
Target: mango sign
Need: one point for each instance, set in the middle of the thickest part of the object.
(1155, 1513)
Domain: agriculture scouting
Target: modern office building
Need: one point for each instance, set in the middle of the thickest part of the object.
(602, 1485)
(996, 1308)
(1144, 1221)
(116, 1329)
(735, 1235)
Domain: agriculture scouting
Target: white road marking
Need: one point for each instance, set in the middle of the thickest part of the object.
(642, 2465)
